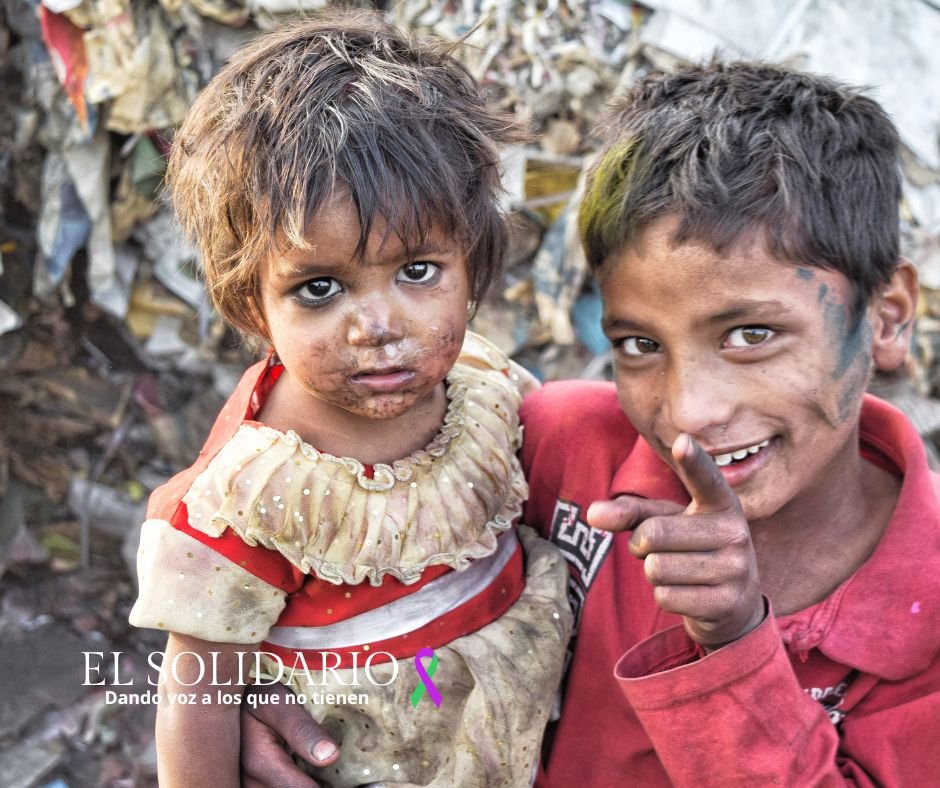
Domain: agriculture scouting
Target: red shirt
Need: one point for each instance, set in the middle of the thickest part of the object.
(846, 691)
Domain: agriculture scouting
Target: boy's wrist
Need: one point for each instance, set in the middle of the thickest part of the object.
(760, 614)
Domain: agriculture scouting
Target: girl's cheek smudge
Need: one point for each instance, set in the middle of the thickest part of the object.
(915, 608)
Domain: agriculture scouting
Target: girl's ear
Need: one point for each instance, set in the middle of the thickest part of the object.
(892, 314)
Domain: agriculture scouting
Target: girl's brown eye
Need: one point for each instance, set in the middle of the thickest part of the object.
(418, 272)
(318, 289)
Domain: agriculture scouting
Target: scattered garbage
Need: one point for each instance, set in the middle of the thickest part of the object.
(114, 364)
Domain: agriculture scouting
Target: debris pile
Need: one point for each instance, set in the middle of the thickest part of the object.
(114, 365)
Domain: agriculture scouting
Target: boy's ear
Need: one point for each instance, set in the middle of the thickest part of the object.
(892, 315)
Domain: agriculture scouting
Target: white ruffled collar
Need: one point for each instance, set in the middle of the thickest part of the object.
(443, 504)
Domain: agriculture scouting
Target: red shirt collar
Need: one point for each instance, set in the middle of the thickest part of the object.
(885, 618)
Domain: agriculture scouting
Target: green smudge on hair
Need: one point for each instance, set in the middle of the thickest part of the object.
(601, 216)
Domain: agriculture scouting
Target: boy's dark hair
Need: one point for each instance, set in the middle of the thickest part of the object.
(338, 105)
(809, 164)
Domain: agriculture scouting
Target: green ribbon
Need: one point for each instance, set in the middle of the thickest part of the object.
(425, 679)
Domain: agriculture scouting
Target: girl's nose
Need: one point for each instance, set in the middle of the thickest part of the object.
(374, 323)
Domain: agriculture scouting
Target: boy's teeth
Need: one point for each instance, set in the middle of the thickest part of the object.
(721, 460)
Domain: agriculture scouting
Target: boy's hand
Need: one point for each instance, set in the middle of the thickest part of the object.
(699, 559)
(267, 728)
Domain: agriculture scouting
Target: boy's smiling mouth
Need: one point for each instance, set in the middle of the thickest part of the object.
(737, 455)
(738, 466)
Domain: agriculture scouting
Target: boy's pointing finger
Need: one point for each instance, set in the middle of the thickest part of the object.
(702, 477)
(627, 512)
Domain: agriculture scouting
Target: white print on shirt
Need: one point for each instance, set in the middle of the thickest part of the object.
(830, 698)
(583, 547)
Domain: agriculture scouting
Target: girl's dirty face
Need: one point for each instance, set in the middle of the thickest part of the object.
(370, 337)
(761, 361)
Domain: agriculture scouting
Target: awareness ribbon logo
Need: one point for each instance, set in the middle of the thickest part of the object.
(426, 684)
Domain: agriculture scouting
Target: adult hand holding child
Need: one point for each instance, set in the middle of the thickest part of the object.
(268, 728)
(699, 558)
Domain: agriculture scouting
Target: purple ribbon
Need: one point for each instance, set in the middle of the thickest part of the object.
(426, 684)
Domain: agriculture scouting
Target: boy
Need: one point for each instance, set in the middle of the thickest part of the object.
(782, 624)
(782, 627)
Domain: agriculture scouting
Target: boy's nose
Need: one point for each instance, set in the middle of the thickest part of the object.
(373, 323)
(698, 400)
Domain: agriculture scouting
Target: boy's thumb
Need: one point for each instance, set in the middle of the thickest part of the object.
(626, 512)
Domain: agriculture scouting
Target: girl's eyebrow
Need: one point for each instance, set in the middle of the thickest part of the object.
(285, 269)
(429, 246)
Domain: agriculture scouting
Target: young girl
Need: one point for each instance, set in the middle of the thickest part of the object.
(351, 514)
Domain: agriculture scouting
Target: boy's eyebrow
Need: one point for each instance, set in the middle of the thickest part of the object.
(746, 307)
(739, 309)
(621, 324)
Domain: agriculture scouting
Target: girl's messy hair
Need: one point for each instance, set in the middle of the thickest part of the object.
(336, 106)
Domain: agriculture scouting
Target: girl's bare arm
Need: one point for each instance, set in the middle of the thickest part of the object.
(197, 742)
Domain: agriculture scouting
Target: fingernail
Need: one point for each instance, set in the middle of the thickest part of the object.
(682, 447)
(324, 750)
(595, 509)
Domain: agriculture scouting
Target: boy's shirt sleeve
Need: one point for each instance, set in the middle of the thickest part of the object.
(736, 716)
(739, 716)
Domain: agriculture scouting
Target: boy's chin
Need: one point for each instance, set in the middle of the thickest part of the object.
(757, 506)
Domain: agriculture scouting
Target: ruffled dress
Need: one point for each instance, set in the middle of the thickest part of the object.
(344, 572)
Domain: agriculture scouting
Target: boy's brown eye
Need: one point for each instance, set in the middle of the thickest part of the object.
(639, 346)
(749, 336)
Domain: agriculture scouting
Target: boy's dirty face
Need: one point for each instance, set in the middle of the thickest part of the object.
(761, 361)
(371, 337)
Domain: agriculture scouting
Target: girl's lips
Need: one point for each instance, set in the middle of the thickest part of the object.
(383, 382)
